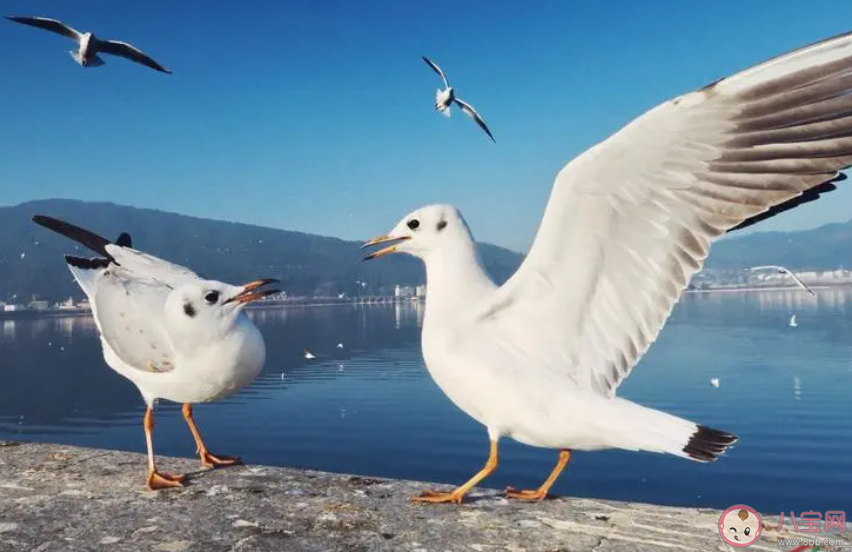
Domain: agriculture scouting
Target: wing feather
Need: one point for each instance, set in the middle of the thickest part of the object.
(128, 51)
(632, 219)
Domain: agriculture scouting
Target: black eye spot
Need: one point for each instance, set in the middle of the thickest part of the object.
(212, 297)
(441, 225)
(414, 224)
(747, 531)
(189, 309)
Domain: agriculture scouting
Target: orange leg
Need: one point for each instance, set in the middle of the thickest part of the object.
(157, 480)
(541, 492)
(208, 460)
(457, 495)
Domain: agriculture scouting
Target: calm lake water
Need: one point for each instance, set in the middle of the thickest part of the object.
(371, 408)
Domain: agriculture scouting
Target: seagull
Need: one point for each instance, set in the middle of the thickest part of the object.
(341, 295)
(540, 358)
(309, 355)
(444, 100)
(793, 322)
(714, 382)
(340, 345)
(176, 336)
(784, 270)
(89, 46)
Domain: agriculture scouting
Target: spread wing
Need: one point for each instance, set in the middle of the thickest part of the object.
(128, 51)
(437, 69)
(788, 272)
(130, 316)
(631, 220)
(471, 112)
(51, 25)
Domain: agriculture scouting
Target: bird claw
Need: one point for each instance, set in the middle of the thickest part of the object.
(157, 480)
(532, 496)
(209, 460)
(432, 497)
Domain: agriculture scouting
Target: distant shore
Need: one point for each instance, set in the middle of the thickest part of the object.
(295, 302)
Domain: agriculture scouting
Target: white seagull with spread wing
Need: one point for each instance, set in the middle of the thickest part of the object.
(628, 223)
(445, 98)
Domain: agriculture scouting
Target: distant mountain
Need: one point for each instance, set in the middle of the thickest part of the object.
(31, 257)
(824, 248)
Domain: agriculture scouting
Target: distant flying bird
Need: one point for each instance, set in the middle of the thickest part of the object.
(793, 322)
(340, 345)
(444, 100)
(341, 295)
(309, 355)
(628, 223)
(174, 335)
(89, 46)
(784, 270)
(714, 382)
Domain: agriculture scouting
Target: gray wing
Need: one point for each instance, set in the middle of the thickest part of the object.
(130, 52)
(51, 25)
(130, 316)
(467, 108)
(438, 70)
(153, 268)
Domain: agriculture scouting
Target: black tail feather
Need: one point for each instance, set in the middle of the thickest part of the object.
(708, 444)
(124, 240)
(83, 237)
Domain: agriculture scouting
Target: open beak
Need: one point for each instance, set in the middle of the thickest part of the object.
(387, 250)
(249, 293)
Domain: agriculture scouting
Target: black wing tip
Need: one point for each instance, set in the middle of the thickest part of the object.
(82, 236)
(87, 264)
(708, 444)
(809, 195)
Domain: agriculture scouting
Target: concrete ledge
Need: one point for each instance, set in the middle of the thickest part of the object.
(56, 499)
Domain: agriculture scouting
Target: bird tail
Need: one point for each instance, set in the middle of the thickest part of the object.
(95, 61)
(642, 428)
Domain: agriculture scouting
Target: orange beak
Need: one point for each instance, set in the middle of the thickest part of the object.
(387, 250)
(249, 293)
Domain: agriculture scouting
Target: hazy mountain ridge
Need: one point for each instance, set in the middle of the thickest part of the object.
(31, 256)
(308, 264)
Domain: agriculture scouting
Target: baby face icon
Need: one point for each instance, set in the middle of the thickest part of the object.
(740, 525)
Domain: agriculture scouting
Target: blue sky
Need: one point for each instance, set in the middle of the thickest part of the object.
(317, 115)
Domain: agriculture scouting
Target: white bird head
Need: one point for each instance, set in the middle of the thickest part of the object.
(207, 309)
(423, 232)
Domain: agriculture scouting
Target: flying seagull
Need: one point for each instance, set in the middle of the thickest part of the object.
(176, 336)
(89, 46)
(784, 270)
(540, 358)
(444, 100)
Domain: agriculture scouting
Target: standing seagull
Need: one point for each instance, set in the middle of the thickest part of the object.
(788, 272)
(628, 223)
(89, 46)
(445, 98)
(174, 335)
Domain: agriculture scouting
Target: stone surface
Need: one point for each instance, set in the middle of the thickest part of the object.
(56, 499)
